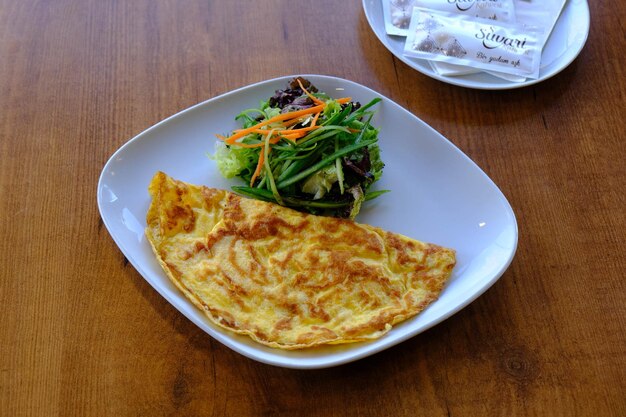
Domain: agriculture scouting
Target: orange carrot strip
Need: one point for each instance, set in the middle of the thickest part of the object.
(282, 117)
(278, 118)
(247, 145)
(311, 96)
(293, 137)
(262, 131)
(290, 123)
(275, 139)
(300, 120)
(303, 129)
(282, 132)
(259, 165)
(289, 131)
(314, 121)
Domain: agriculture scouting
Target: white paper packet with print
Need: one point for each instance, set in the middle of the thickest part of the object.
(477, 43)
(397, 13)
(498, 10)
(539, 14)
(508, 77)
(451, 70)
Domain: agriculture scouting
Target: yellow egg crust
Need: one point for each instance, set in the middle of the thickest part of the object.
(287, 279)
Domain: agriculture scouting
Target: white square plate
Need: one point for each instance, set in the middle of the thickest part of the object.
(437, 195)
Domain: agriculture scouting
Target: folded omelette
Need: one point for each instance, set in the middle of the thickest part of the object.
(287, 279)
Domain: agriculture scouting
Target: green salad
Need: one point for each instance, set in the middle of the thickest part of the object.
(305, 150)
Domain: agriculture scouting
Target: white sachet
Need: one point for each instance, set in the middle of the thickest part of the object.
(498, 10)
(397, 13)
(539, 14)
(464, 40)
(451, 70)
(501, 11)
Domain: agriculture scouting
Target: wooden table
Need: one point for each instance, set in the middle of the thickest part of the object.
(82, 332)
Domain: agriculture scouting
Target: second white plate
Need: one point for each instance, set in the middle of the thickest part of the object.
(563, 46)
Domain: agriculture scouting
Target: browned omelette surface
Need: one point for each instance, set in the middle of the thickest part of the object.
(289, 280)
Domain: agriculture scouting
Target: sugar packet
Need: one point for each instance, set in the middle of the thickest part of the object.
(397, 13)
(498, 10)
(539, 14)
(465, 40)
(501, 11)
(451, 70)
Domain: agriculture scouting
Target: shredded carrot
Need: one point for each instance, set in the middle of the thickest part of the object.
(276, 136)
(259, 165)
(278, 118)
(248, 145)
(311, 96)
(295, 121)
(294, 136)
(262, 156)
(314, 121)
(289, 131)
(292, 122)
(282, 117)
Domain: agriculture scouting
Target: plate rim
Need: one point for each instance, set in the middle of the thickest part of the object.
(222, 335)
(460, 81)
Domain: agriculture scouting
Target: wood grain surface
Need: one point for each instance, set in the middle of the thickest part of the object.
(83, 333)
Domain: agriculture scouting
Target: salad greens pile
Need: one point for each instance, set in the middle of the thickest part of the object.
(305, 150)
